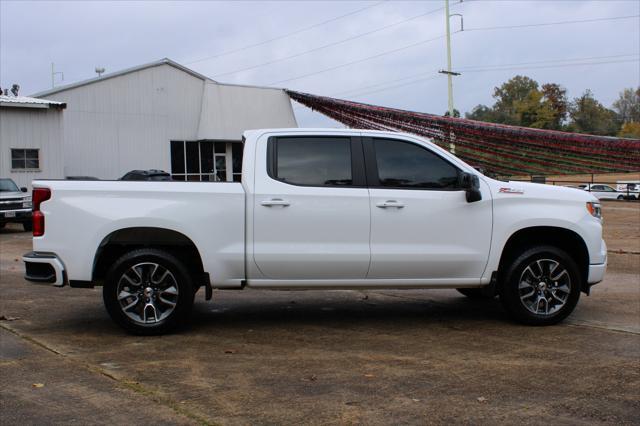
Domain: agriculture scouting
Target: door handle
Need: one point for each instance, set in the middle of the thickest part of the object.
(275, 202)
(390, 203)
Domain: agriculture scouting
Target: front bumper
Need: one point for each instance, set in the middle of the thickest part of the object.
(596, 271)
(19, 215)
(44, 268)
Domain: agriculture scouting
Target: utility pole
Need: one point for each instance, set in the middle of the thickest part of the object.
(53, 75)
(449, 76)
(448, 71)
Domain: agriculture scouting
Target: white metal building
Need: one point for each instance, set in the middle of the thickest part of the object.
(31, 139)
(163, 115)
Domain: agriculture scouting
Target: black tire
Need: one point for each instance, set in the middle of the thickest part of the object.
(620, 197)
(511, 290)
(148, 291)
(2, 225)
(27, 226)
(475, 293)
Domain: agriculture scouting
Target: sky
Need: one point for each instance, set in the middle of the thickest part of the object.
(379, 52)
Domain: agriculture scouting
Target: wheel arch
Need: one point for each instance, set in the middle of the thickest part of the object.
(123, 240)
(562, 238)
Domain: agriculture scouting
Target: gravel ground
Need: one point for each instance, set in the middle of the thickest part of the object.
(354, 357)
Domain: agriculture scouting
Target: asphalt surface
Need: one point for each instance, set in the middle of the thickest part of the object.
(317, 357)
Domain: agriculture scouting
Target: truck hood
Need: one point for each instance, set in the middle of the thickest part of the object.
(510, 189)
(13, 194)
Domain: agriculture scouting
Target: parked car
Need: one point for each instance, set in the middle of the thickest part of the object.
(320, 209)
(630, 189)
(602, 192)
(15, 205)
(152, 174)
(81, 178)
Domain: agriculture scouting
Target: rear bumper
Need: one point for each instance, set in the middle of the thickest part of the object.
(44, 268)
(11, 216)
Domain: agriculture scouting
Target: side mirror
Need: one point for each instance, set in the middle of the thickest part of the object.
(24, 189)
(471, 184)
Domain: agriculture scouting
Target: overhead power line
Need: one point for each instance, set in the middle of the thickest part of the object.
(553, 66)
(470, 67)
(440, 37)
(502, 67)
(546, 24)
(346, 64)
(292, 33)
(325, 46)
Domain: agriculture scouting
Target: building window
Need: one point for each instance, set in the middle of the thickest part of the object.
(25, 159)
(206, 161)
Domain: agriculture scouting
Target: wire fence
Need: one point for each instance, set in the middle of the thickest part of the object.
(601, 188)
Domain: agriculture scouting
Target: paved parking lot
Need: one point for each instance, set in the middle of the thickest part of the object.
(375, 357)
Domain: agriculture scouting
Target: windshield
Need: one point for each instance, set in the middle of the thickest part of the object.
(7, 185)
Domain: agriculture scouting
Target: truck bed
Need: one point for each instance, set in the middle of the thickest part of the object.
(81, 213)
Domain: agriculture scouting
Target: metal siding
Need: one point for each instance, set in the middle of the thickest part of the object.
(32, 128)
(126, 122)
(228, 110)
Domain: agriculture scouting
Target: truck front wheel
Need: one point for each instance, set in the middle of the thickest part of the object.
(148, 291)
(541, 286)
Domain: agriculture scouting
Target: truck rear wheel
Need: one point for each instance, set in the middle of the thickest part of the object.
(541, 286)
(148, 291)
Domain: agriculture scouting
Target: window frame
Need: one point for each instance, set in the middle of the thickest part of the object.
(25, 169)
(215, 154)
(358, 173)
(371, 165)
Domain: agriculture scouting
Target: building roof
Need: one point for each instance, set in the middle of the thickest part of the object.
(28, 102)
(164, 61)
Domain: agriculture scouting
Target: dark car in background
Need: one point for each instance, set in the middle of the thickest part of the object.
(15, 205)
(152, 174)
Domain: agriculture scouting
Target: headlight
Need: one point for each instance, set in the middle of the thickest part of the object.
(594, 209)
(26, 204)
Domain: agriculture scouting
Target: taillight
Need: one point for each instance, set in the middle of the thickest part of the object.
(39, 195)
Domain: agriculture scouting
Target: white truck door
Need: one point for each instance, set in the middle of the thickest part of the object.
(422, 226)
(311, 208)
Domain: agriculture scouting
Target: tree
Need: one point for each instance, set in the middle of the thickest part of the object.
(516, 90)
(534, 111)
(630, 130)
(482, 113)
(520, 102)
(627, 106)
(456, 113)
(556, 96)
(590, 116)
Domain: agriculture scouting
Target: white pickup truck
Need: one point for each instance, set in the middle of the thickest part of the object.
(320, 209)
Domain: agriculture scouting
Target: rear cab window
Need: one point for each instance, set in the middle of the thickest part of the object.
(316, 161)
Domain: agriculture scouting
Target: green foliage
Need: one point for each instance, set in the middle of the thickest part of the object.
(456, 113)
(590, 116)
(511, 94)
(627, 106)
(522, 102)
(630, 129)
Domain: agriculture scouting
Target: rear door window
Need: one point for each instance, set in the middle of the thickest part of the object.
(312, 161)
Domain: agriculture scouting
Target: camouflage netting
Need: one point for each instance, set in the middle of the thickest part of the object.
(497, 148)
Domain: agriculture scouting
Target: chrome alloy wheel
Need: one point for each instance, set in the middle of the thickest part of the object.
(544, 286)
(147, 293)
